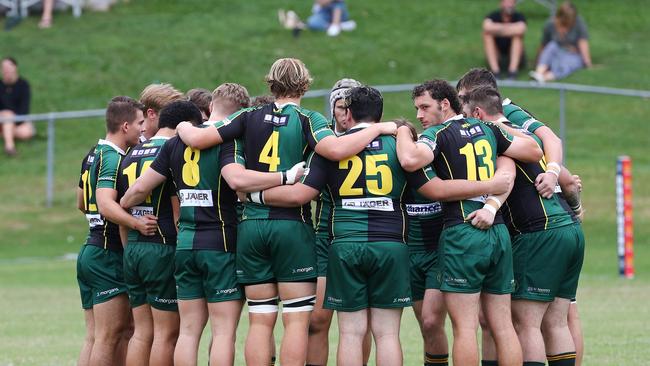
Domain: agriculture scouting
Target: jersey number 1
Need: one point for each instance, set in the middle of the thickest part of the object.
(130, 173)
(480, 148)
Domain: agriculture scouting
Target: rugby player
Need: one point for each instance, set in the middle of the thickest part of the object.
(321, 318)
(155, 97)
(149, 260)
(276, 245)
(99, 265)
(546, 181)
(205, 263)
(476, 262)
(548, 251)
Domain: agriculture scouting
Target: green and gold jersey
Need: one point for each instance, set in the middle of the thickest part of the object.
(208, 219)
(525, 210)
(366, 191)
(520, 117)
(425, 220)
(99, 169)
(158, 203)
(465, 149)
(275, 138)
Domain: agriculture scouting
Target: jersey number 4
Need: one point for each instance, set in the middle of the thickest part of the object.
(269, 153)
(482, 149)
(382, 185)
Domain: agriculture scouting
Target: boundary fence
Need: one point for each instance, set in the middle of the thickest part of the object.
(52, 117)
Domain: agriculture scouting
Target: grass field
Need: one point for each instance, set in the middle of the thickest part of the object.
(81, 63)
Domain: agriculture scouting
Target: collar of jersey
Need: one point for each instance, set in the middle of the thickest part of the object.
(506, 101)
(160, 138)
(503, 120)
(106, 142)
(360, 125)
(278, 106)
(455, 118)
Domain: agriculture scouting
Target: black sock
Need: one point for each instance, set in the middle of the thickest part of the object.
(436, 360)
(562, 359)
(272, 363)
(489, 363)
(534, 363)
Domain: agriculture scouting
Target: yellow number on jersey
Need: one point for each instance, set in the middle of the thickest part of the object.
(88, 192)
(130, 173)
(483, 150)
(269, 154)
(383, 185)
(191, 167)
(356, 166)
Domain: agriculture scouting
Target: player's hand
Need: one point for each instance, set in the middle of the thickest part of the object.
(387, 128)
(147, 225)
(501, 182)
(545, 184)
(578, 181)
(481, 219)
(295, 173)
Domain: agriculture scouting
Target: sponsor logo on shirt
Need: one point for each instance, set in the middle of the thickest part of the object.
(195, 197)
(94, 220)
(110, 179)
(427, 141)
(277, 120)
(139, 211)
(423, 209)
(480, 199)
(143, 152)
(473, 131)
(529, 122)
(374, 145)
(90, 159)
(374, 204)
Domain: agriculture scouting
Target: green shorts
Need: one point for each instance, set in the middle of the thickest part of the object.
(474, 260)
(275, 250)
(208, 274)
(149, 275)
(547, 263)
(322, 247)
(424, 268)
(99, 275)
(363, 275)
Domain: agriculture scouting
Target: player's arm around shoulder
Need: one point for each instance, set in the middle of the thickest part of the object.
(141, 188)
(338, 148)
(414, 155)
(197, 137)
(519, 146)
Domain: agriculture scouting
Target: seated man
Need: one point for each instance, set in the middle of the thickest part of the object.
(327, 15)
(14, 100)
(503, 39)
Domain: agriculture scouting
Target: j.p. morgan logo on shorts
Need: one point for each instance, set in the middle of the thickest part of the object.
(195, 197)
(376, 204)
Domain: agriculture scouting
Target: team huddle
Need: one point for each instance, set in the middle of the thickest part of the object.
(195, 208)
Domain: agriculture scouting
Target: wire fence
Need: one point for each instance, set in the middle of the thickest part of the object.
(53, 117)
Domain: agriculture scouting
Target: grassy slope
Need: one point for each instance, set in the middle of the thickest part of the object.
(81, 63)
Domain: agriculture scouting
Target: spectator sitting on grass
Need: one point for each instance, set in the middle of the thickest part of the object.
(14, 100)
(327, 15)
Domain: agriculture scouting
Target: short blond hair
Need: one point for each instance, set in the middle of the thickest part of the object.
(289, 78)
(230, 97)
(158, 96)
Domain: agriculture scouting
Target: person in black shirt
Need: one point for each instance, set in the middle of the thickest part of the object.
(503, 39)
(14, 100)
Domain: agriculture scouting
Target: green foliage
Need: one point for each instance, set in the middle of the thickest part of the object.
(81, 63)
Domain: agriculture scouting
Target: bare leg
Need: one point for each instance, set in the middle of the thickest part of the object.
(111, 320)
(24, 131)
(194, 316)
(224, 317)
(576, 332)
(463, 311)
(527, 317)
(433, 322)
(352, 329)
(140, 344)
(259, 340)
(557, 337)
(293, 350)
(123, 345)
(497, 312)
(366, 346)
(46, 18)
(165, 333)
(488, 348)
(89, 339)
(516, 53)
(8, 129)
(491, 52)
(319, 326)
(385, 328)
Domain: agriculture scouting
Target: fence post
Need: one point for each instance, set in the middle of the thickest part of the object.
(563, 122)
(50, 161)
(328, 111)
